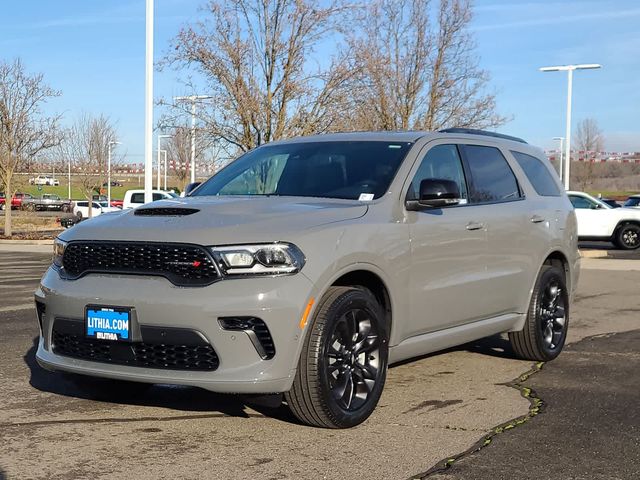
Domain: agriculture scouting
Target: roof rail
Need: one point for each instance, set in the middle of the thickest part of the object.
(472, 131)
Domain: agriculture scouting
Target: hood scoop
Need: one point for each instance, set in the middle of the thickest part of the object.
(165, 211)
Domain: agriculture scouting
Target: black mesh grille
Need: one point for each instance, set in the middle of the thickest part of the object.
(258, 328)
(184, 265)
(264, 336)
(165, 355)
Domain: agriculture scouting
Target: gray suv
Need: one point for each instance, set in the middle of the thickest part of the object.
(307, 266)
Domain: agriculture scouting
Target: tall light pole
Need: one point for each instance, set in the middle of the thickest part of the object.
(109, 173)
(160, 137)
(193, 99)
(69, 176)
(164, 152)
(560, 161)
(148, 107)
(567, 145)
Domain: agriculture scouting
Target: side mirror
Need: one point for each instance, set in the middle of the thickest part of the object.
(191, 187)
(436, 193)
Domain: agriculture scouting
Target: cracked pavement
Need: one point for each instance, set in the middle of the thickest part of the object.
(432, 408)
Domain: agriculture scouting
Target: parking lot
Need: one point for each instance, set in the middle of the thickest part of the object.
(432, 408)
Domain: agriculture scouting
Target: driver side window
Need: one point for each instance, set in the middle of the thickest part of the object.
(440, 162)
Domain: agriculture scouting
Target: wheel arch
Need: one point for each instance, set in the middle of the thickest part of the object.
(555, 258)
(361, 277)
(622, 223)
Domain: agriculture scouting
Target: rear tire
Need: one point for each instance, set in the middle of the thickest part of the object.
(627, 237)
(343, 365)
(545, 329)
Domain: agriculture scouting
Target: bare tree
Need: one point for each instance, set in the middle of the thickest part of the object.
(254, 56)
(178, 148)
(86, 146)
(25, 131)
(417, 68)
(590, 140)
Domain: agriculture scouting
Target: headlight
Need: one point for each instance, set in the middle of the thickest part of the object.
(267, 259)
(58, 251)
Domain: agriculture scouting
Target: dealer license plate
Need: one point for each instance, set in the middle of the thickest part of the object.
(108, 323)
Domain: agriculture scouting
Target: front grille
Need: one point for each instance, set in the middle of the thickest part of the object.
(184, 265)
(189, 352)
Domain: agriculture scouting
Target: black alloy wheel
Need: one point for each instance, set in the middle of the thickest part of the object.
(628, 237)
(352, 359)
(343, 365)
(545, 328)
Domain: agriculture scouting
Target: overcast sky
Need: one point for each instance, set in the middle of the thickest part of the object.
(93, 51)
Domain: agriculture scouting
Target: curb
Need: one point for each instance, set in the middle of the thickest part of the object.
(594, 253)
(26, 242)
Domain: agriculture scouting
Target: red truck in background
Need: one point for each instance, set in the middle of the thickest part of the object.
(16, 201)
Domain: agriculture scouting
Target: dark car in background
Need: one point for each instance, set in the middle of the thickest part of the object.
(633, 201)
(612, 203)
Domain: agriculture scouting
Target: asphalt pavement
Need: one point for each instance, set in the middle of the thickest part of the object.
(433, 408)
(589, 422)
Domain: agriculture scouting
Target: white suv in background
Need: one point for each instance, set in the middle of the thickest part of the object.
(81, 209)
(598, 221)
(135, 198)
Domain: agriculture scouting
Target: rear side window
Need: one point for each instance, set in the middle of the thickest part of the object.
(491, 177)
(538, 174)
(157, 196)
(82, 204)
(137, 198)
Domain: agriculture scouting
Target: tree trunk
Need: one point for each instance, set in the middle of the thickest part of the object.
(7, 207)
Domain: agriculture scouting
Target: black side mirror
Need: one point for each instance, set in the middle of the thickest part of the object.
(191, 187)
(436, 193)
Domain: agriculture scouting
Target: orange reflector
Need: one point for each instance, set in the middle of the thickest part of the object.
(305, 315)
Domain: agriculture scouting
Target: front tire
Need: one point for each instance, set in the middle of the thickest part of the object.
(627, 237)
(343, 366)
(545, 329)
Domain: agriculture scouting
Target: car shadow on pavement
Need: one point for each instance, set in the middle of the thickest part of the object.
(173, 397)
(494, 346)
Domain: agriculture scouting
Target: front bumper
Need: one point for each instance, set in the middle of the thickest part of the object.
(278, 301)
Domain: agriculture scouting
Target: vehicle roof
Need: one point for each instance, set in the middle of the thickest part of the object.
(407, 136)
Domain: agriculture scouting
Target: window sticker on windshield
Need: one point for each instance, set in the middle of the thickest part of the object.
(365, 197)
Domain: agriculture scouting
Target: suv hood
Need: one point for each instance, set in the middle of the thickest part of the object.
(218, 220)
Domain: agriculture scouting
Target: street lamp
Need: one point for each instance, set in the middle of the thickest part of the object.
(160, 137)
(164, 152)
(193, 99)
(109, 173)
(567, 144)
(560, 161)
(148, 104)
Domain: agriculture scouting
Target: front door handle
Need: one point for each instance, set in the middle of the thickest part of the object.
(475, 226)
(537, 219)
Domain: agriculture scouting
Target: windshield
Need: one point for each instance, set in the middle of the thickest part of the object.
(173, 194)
(359, 170)
(632, 202)
(103, 204)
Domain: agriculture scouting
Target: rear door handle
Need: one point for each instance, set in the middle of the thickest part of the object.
(537, 219)
(475, 226)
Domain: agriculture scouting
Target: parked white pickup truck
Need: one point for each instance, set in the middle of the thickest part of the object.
(135, 198)
(598, 221)
(44, 180)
